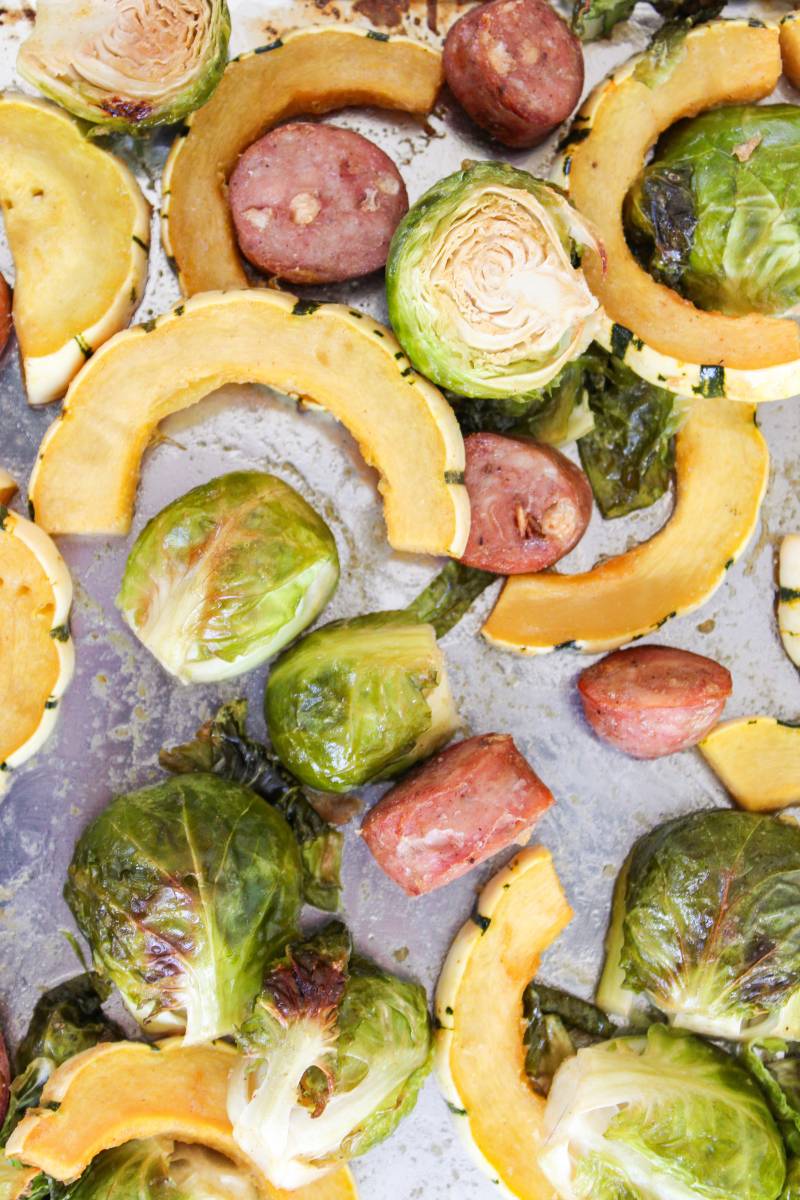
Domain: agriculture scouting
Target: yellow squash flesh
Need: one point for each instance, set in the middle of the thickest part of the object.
(790, 48)
(36, 650)
(8, 486)
(750, 358)
(117, 1092)
(480, 1059)
(79, 228)
(310, 71)
(721, 470)
(758, 761)
(88, 465)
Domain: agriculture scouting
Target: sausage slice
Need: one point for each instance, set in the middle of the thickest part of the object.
(466, 804)
(654, 700)
(530, 504)
(516, 68)
(315, 203)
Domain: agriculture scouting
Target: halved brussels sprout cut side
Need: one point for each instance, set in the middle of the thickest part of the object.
(484, 284)
(127, 65)
(227, 575)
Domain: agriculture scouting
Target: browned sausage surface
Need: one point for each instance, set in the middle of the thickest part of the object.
(516, 68)
(315, 203)
(654, 700)
(530, 505)
(467, 803)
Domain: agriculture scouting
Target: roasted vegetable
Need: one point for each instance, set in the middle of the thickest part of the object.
(706, 926)
(558, 413)
(359, 700)
(556, 1025)
(336, 1052)
(484, 285)
(159, 1169)
(716, 214)
(221, 745)
(596, 18)
(757, 759)
(775, 1067)
(789, 596)
(184, 890)
(449, 595)
(227, 575)
(127, 65)
(666, 1114)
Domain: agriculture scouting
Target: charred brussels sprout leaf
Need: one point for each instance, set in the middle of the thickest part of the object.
(359, 700)
(716, 214)
(596, 18)
(490, 239)
(556, 1025)
(629, 454)
(67, 1019)
(222, 746)
(334, 1055)
(706, 926)
(659, 1116)
(449, 595)
(184, 890)
(227, 575)
(127, 65)
(558, 413)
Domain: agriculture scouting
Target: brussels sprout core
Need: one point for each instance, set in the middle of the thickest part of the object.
(127, 64)
(484, 293)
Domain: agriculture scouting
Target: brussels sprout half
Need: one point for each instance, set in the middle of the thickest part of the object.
(359, 700)
(716, 214)
(484, 285)
(158, 1169)
(227, 575)
(127, 65)
(184, 890)
(660, 1117)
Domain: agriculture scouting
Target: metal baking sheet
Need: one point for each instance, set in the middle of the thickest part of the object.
(122, 707)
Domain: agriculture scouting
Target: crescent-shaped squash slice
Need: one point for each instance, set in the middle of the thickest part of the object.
(758, 761)
(789, 596)
(88, 465)
(721, 469)
(79, 229)
(480, 1059)
(664, 337)
(119, 1091)
(790, 47)
(36, 650)
(310, 71)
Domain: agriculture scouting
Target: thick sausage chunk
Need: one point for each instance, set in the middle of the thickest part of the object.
(5, 313)
(653, 700)
(315, 203)
(516, 68)
(530, 504)
(469, 802)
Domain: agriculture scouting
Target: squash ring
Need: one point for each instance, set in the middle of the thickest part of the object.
(79, 231)
(758, 761)
(120, 1091)
(660, 335)
(37, 656)
(85, 476)
(309, 71)
(721, 471)
(480, 1059)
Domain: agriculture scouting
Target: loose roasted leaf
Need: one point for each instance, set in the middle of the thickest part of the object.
(557, 1024)
(559, 413)
(596, 18)
(449, 595)
(67, 1019)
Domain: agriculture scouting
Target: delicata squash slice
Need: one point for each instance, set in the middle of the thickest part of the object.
(36, 650)
(120, 1091)
(662, 336)
(310, 71)
(721, 471)
(88, 466)
(758, 761)
(480, 1058)
(79, 229)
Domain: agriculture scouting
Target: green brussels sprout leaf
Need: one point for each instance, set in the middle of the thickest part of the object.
(68, 1019)
(556, 1025)
(593, 19)
(222, 746)
(184, 891)
(335, 1052)
(227, 575)
(449, 595)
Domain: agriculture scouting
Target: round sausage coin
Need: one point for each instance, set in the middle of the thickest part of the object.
(516, 68)
(315, 203)
(653, 700)
(530, 504)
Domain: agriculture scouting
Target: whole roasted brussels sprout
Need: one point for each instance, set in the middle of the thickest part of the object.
(127, 65)
(184, 890)
(336, 1051)
(716, 214)
(705, 927)
(358, 700)
(658, 1117)
(227, 575)
(484, 285)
